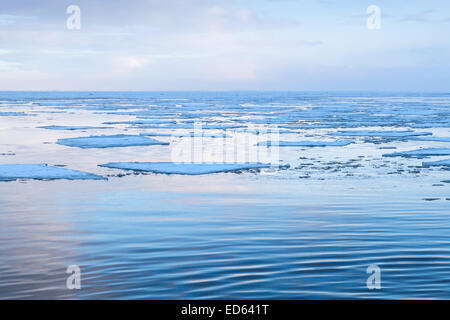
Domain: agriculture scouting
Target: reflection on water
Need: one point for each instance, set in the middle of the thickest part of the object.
(307, 232)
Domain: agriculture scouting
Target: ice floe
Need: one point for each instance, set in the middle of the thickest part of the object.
(134, 122)
(8, 114)
(11, 172)
(337, 143)
(420, 153)
(191, 126)
(70, 128)
(436, 139)
(379, 133)
(119, 140)
(186, 168)
(185, 134)
(445, 163)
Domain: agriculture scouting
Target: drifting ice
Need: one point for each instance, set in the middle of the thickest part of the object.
(420, 153)
(375, 133)
(72, 127)
(186, 168)
(11, 172)
(437, 163)
(119, 140)
(337, 143)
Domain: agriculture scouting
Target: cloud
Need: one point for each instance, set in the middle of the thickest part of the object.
(423, 16)
(8, 19)
(6, 66)
(207, 44)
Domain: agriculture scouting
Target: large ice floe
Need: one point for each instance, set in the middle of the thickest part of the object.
(9, 114)
(119, 140)
(420, 153)
(185, 134)
(379, 133)
(336, 143)
(133, 122)
(435, 139)
(11, 172)
(444, 163)
(71, 128)
(187, 168)
(191, 126)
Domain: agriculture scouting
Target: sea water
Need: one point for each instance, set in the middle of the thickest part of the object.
(309, 230)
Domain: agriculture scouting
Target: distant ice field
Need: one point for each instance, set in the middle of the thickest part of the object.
(224, 195)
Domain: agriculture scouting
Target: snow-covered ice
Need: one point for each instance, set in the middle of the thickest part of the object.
(191, 126)
(186, 168)
(71, 128)
(437, 163)
(379, 133)
(9, 114)
(420, 153)
(337, 143)
(185, 134)
(11, 172)
(119, 140)
(436, 139)
(134, 122)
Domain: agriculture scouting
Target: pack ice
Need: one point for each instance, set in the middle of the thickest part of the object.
(435, 139)
(70, 128)
(119, 140)
(379, 133)
(185, 134)
(445, 163)
(11, 172)
(186, 168)
(336, 143)
(420, 153)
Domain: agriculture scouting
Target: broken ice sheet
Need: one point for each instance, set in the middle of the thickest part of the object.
(133, 122)
(420, 153)
(119, 140)
(337, 143)
(71, 128)
(379, 133)
(186, 168)
(185, 134)
(191, 126)
(435, 139)
(8, 114)
(11, 172)
(445, 163)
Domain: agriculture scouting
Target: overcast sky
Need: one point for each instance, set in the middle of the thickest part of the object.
(225, 45)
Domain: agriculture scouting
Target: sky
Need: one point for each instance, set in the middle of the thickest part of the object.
(176, 45)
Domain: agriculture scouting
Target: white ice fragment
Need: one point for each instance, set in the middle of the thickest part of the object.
(119, 140)
(435, 139)
(379, 133)
(191, 126)
(336, 143)
(437, 163)
(8, 114)
(186, 168)
(133, 122)
(185, 134)
(420, 153)
(71, 128)
(11, 172)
